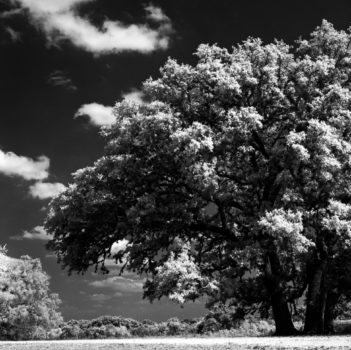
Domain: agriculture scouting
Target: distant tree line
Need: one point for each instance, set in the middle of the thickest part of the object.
(29, 311)
(119, 327)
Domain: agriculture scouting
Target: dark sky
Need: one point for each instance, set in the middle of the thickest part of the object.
(54, 60)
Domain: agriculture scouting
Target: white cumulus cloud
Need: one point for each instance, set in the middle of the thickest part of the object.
(110, 263)
(29, 169)
(59, 19)
(49, 6)
(98, 114)
(118, 246)
(44, 190)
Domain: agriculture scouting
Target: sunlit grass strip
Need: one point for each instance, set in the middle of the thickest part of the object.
(243, 343)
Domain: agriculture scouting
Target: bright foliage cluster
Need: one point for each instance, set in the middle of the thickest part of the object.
(27, 309)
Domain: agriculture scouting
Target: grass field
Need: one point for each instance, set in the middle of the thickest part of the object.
(263, 343)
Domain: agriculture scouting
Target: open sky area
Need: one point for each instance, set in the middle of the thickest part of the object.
(63, 65)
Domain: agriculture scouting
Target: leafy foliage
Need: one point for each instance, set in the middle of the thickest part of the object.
(27, 309)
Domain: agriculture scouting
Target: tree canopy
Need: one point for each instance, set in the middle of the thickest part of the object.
(27, 309)
(231, 180)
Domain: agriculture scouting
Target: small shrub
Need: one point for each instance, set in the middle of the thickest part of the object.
(162, 328)
(122, 332)
(176, 327)
(342, 326)
(110, 331)
(130, 323)
(208, 325)
(248, 328)
(70, 331)
(97, 332)
(145, 330)
(149, 322)
(54, 334)
(39, 334)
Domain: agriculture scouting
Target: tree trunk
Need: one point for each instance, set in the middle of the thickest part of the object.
(332, 300)
(281, 313)
(282, 316)
(316, 302)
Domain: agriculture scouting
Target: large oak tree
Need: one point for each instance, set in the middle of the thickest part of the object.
(231, 180)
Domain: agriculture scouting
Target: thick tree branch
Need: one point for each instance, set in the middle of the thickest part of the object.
(224, 232)
(259, 145)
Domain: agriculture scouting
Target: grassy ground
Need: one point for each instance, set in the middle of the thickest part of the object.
(264, 343)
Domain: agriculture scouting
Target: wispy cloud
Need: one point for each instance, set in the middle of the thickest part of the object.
(11, 13)
(98, 114)
(103, 298)
(134, 95)
(119, 284)
(29, 169)
(100, 297)
(45, 190)
(36, 233)
(60, 20)
(13, 34)
(60, 78)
